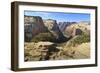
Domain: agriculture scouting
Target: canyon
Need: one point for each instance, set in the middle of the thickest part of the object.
(47, 39)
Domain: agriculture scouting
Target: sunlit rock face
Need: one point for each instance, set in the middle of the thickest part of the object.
(33, 25)
(54, 28)
(77, 29)
(63, 25)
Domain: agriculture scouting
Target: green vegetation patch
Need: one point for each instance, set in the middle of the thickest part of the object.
(43, 37)
(79, 40)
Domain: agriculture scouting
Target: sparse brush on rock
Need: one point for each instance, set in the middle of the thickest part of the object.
(79, 40)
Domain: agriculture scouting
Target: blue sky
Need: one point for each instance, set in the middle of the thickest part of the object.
(60, 16)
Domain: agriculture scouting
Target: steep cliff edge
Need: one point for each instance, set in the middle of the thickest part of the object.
(33, 25)
(54, 29)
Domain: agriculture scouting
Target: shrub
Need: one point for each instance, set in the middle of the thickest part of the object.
(44, 37)
(80, 39)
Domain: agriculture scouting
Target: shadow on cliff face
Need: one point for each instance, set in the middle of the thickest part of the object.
(62, 39)
(35, 25)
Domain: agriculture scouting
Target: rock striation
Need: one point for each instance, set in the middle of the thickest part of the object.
(33, 25)
(53, 27)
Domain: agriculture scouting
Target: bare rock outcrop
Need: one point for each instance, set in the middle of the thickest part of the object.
(41, 51)
(33, 25)
(77, 29)
(64, 25)
(54, 29)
